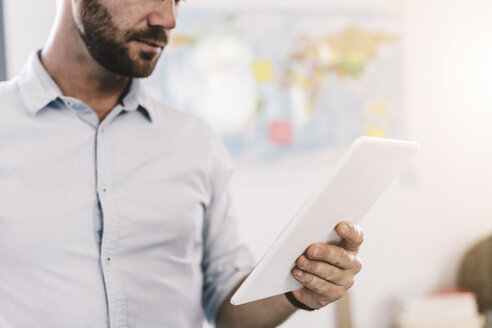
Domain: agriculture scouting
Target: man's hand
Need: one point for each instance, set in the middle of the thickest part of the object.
(326, 277)
(328, 271)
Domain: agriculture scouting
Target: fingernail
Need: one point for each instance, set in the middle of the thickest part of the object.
(299, 273)
(305, 263)
(344, 229)
(316, 252)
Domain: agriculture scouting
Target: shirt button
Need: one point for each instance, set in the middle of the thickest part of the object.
(108, 259)
(105, 190)
(69, 103)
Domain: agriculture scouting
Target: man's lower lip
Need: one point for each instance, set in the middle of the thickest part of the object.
(148, 47)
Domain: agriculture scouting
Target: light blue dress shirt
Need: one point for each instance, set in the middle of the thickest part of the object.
(121, 223)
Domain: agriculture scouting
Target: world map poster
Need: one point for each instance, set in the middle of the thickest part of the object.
(275, 82)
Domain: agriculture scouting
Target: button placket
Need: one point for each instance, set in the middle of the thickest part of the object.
(110, 236)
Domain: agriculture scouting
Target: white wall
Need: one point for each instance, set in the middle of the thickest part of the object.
(422, 226)
(27, 25)
(415, 238)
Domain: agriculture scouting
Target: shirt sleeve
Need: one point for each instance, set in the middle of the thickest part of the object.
(226, 260)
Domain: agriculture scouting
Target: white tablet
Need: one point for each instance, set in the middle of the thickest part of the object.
(360, 177)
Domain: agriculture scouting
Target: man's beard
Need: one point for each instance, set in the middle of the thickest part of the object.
(100, 37)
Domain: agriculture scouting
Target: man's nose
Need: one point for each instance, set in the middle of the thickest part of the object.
(164, 14)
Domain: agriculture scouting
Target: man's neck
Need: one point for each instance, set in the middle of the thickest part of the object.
(79, 76)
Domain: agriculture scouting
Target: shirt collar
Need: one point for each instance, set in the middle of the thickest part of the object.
(36, 86)
(136, 99)
(38, 89)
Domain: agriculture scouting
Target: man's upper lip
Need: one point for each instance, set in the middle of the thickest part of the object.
(153, 43)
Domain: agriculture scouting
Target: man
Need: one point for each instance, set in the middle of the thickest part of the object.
(114, 209)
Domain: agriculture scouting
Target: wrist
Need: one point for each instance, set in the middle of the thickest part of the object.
(295, 302)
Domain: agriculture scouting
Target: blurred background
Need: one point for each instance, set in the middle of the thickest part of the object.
(289, 84)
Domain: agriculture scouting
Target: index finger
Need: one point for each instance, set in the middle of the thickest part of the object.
(352, 236)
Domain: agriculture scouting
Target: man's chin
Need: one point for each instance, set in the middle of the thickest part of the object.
(141, 71)
(149, 56)
(141, 67)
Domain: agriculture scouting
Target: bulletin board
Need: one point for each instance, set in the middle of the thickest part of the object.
(280, 82)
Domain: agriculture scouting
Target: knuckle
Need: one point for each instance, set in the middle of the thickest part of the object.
(328, 251)
(361, 234)
(311, 282)
(324, 301)
(307, 279)
(320, 286)
(350, 282)
(357, 265)
(328, 275)
(312, 266)
(338, 294)
(339, 257)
